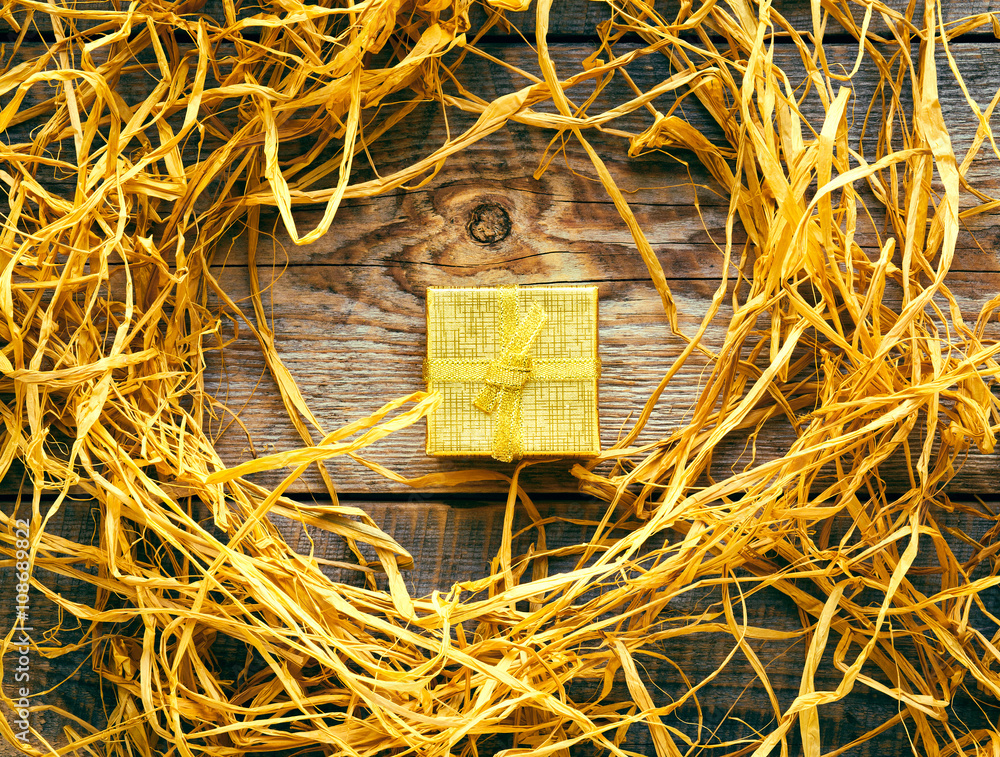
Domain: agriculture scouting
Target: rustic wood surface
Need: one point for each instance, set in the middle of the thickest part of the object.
(453, 542)
(569, 17)
(349, 309)
(348, 312)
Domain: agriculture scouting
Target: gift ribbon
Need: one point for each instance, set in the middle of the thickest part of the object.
(505, 376)
(508, 373)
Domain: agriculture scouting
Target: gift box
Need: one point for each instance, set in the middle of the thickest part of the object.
(517, 371)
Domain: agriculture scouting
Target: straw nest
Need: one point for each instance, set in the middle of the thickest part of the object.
(106, 323)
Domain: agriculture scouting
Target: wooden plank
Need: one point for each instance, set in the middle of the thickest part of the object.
(656, 185)
(351, 342)
(352, 336)
(568, 17)
(576, 17)
(452, 544)
(349, 309)
(662, 191)
(580, 17)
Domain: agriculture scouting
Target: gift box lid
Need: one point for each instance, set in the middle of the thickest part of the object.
(527, 356)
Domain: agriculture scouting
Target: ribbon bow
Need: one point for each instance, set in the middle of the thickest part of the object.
(507, 374)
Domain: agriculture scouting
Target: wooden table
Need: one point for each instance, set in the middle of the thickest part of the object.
(348, 312)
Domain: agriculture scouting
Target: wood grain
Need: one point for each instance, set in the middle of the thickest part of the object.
(349, 314)
(456, 541)
(348, 310)
(568, 17)
(353, 337)
(666, 194)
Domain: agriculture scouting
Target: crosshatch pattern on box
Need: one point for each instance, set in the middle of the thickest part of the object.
(559, 416)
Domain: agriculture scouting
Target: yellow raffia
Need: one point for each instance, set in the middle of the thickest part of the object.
(841, 325)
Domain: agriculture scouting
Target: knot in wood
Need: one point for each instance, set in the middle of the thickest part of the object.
(489, 223)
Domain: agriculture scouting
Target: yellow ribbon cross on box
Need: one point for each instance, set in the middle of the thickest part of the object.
(517, 370)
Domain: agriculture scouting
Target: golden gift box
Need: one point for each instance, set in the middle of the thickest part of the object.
(517, 371)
